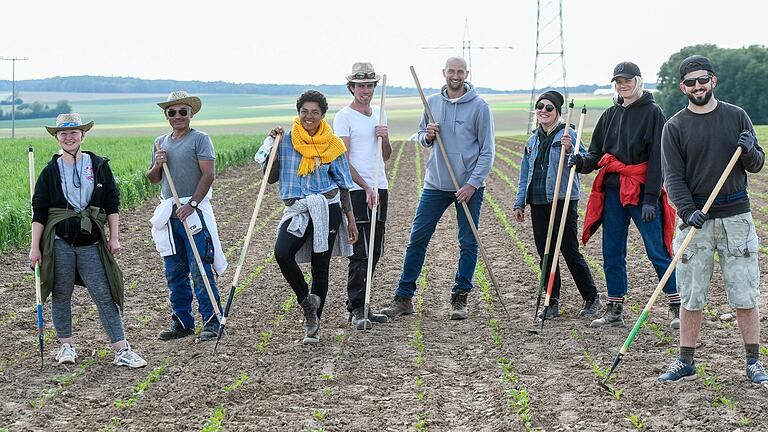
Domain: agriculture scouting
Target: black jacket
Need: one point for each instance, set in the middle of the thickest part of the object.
(633, 135)
(49, 194)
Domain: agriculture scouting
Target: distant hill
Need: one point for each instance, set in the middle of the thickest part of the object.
(101, 84)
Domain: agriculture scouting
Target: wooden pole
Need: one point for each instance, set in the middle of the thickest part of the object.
(38, 288)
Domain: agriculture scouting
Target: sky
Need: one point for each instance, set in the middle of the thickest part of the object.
(314, 42)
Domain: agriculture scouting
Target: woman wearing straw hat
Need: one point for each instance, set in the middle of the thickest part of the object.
(314, 181)
(626, 148)
(75, 198)
(538, 172)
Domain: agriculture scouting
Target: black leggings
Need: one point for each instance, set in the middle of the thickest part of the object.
(288, 244)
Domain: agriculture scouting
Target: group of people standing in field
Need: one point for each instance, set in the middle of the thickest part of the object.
(326, 178)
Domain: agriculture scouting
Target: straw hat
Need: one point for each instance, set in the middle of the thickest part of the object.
(180, 97)
(363, 73)
(69, 122)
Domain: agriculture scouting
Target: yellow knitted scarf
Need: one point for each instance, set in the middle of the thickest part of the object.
(323, 147)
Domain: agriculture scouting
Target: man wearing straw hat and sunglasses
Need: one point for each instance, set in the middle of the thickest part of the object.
(191, 163)
(358, 126)
(697, 144)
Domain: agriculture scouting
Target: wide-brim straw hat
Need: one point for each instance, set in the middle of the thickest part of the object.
(363, 73)
(180, 97)
(69, 122)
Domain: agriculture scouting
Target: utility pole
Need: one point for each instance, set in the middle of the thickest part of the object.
(13, 61)
(549, 34)
(466, 48)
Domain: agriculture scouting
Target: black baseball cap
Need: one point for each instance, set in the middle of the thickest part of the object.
(625, 70)
(694, 63)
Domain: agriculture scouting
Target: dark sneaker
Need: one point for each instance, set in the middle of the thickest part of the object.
(175, 331)
(372, 317)
(310, 306)
(591, 307)
(359, 321)
(756, 372)
(312, 338)
(399, 306)
(614, 316)
(674, 312)
(209, 332)
(459, 309)
(679, 370)
(553, 311)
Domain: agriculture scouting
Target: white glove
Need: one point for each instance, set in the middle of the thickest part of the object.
(261, 156)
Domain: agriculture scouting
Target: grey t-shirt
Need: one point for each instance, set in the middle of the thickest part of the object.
(183, 155)
(77, 181)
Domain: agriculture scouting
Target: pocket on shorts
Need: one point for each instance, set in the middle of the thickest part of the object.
(741, 236)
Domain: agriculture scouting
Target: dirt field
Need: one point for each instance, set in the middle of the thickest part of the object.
(421, 372)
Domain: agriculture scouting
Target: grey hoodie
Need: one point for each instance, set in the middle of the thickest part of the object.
(466, 128)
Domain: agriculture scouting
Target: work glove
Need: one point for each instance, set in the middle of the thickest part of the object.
(697, 219)
(746, 141)
(649, 213)
(576, 160)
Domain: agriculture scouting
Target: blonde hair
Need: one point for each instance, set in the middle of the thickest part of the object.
(639, 87)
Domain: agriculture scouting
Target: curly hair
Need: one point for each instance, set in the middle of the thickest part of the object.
(312, 96)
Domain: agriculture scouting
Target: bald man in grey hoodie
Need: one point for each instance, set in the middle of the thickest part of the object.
(465, 124)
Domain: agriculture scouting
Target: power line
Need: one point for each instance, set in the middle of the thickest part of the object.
(13, 61)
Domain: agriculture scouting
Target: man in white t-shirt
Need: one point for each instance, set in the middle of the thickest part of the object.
(358, 126)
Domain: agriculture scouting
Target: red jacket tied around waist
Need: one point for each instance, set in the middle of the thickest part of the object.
(631, 177)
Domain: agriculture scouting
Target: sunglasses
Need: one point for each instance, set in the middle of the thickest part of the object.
(364, 75)
(172, 112)
(690, 82)
(547, 107)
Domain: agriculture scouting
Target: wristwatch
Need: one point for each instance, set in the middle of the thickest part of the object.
(193, 204)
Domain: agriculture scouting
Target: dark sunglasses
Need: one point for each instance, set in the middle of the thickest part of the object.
(172, 112)
(548, 107)
(692, 81)
(364, 75)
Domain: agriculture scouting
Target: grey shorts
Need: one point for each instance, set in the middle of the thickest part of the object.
(735, 240)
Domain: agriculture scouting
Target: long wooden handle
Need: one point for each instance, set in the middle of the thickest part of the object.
(558, 180)
(374, 210)
(191, 238)
(470, 219)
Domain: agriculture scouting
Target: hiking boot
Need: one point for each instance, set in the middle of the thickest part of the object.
(175, 331)
(126, 357)
(679, 370)
(674, 312)
(756, 372)
(312, 338)
(614, 316)
(553, 311)
(399, 306)
(591, 307)
(459, 308)
(210, 331)
(359, 321)
(310, 305)
(66, 354)
(372, 317)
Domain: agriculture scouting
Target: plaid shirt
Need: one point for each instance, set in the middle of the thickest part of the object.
(325, 178)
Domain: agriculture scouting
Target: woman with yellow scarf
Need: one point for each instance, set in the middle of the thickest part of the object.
(317, 222)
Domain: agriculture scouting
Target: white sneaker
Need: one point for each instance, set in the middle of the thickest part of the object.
(66, 354)
(126, 357)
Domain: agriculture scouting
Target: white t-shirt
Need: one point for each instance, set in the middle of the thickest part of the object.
(360, 129)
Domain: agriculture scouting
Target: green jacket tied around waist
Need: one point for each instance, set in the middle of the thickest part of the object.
(90, 217)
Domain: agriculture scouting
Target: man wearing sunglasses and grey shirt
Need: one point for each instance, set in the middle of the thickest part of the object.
(191, 162)
(697, 144)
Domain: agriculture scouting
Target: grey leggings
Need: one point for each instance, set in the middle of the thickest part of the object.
(87, 261)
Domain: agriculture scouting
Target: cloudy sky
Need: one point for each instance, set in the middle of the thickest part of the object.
(316, 42)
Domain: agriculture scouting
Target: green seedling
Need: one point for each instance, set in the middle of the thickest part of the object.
(114, 422)
(139, 389)
(327, 392)
(636, 421)
(213, 424)
(341, 337)
(265, 337)
(328, 377)
(396, 166)
(744, 421)
(319, 415)
(421, 422)
(764, 351)
(496, 332)
(724, 401)
(658, 330)
(63, 381)
(575, 335)
(634, 307)
(236, 384)
(144, 319)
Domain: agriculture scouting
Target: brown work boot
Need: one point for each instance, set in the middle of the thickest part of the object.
(399, 306)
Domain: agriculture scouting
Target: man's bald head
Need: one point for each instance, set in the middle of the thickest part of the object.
(456, 61)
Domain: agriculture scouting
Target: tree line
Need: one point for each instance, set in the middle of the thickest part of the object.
(35, 110)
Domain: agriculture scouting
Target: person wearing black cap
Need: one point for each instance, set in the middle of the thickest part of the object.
(697, 144)
(626, 148)
(538, 172)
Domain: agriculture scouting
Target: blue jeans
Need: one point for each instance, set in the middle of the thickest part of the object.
(178, 268)
(432, 205)
(615, 230)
